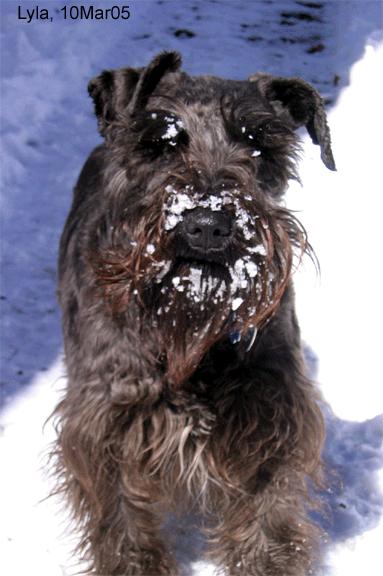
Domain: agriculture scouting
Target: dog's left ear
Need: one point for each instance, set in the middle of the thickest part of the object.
(304, 106)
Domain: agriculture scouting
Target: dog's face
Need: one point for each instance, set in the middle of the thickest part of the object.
(192, 230)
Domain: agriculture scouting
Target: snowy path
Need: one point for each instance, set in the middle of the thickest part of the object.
(47, 131)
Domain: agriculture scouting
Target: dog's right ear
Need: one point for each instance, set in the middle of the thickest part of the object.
(111, 93)
(122, 92)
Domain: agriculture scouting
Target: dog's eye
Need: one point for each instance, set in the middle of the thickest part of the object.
(262, 135)
(159, 131)
(252, 138)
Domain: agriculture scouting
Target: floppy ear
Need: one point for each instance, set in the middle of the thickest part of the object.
(123, 91)
(304, 106)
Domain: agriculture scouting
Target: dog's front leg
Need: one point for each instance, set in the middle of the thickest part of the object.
(267, 452)
(264, 535)
(99, 457)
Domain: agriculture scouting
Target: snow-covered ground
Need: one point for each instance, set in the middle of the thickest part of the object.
(46, 132)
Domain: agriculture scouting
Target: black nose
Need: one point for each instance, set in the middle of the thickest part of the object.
(207, 230)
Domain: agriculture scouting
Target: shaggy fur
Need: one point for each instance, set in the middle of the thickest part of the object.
(186, 386)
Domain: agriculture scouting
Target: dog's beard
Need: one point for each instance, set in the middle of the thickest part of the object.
(196, 303)
(190, 297)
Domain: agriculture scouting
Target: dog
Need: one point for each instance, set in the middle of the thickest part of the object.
(187, 388)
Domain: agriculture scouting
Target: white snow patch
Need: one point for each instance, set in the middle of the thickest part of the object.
(243, 270)
(171, 132)
(341, 313)
(176, 205)
(251, 269)
(172, 220)
(236, 303)
(259, 249)
(174, 126)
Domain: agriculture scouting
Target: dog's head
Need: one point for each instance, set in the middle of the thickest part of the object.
(193, 232)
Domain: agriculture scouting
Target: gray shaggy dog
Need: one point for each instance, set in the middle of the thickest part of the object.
(186, 385)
